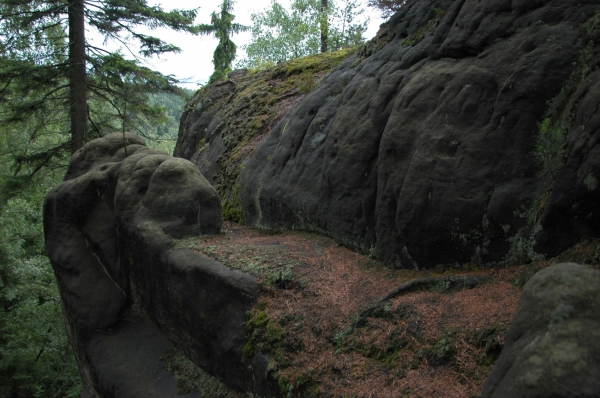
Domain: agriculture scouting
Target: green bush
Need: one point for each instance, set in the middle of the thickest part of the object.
(36, 359)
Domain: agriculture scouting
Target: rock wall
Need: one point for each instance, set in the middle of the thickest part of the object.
(466, 131)
(129, 295)
(225, 121)
(426, 154)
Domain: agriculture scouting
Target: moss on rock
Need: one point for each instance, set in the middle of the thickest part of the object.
(225, 121)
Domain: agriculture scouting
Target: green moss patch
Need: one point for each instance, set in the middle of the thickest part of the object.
(419, 35)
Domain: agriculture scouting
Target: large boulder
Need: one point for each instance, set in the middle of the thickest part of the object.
(466, 131)
(129, 295)
(552, 348)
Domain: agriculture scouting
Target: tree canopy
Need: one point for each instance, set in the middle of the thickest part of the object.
(222, 27)
(388, 7)
(48, 65)
(279, 35)
(43, 51)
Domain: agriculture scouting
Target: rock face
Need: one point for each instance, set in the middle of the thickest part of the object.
(225, 121)
(466, 131)
(552, 348)
(129, 295)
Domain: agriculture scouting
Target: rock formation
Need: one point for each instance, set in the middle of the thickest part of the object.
(465, 131)
(552, 348)
(224, 122)
(129, 295)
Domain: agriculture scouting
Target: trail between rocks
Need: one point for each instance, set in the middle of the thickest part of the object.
(438, 341)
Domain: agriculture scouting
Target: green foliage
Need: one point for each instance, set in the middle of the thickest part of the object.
(401, 336)
(306, 82)
(296, 385)
(590, 30)
(35, 69)
(550, 154)
(389, 7)
(222, 27)
(36, 359)
(265, 336)
(164, 135)
(279, 35)
(440, 352)
(232, 213)
(551, 148)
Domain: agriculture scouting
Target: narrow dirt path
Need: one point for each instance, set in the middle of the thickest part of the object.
(325, 319)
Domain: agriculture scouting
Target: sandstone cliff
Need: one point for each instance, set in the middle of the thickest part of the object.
(465, 131)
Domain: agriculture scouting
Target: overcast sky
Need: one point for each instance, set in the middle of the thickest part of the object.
(194, 63)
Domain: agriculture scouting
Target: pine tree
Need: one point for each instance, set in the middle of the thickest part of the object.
(222, 27)
(388, 7)
(42, 69)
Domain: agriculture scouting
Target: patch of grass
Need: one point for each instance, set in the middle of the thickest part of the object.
(316, 63)
(269, 264)
(388, 352)
(402, 334)
(491, 339)
(265, 335)
(306, 82)
(440, 352)
(188, 377)
(270, 338)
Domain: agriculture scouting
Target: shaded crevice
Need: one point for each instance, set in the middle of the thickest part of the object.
(94, 251)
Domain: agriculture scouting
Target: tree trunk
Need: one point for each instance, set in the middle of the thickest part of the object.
(324, 25)
(77, 75)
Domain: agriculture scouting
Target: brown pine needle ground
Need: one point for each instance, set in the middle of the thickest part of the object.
(440, 341)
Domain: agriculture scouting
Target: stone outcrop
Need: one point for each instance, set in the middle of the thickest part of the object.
(552, 348)
(128, 294)
(225, 121)
(466, 131)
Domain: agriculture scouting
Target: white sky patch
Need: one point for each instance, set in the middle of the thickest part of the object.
(194, 64)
